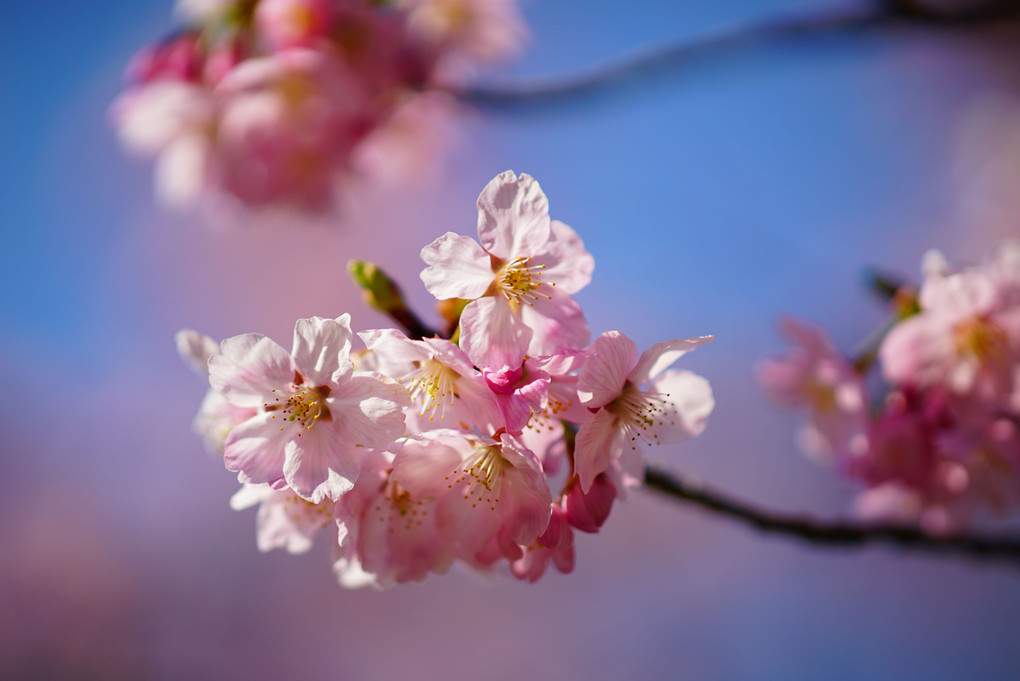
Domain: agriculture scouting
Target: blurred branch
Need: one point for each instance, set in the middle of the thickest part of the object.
(827, 23)
(836, 533)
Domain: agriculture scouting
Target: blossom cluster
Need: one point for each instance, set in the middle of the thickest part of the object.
(414, 453)
(942, 440)
(283, 103)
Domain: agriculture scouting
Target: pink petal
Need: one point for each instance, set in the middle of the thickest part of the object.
(249, 368)
(492, 335)
(255, 449)
(569, 265)
(558, 324)
(368, 409)
(598, 442)
(661, 356)
(513, 217)
(322, 347)
(918, 350)
(196, 349)
(691, 400)
(321, 463)
(423, 464)
(610, 360)
(457, 268)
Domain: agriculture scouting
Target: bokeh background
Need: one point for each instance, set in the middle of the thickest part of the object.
(714, 198)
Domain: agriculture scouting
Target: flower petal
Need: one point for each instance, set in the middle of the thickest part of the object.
(598, 442)
(513, 217)
(690, 398)
(492, 335)
(558, 324)
(567, 262)
(322, 347)
(458, 268)
(660, 356)
(249, 368)
(602, 377)
(321, 463)
(196, 349)
(255, 449)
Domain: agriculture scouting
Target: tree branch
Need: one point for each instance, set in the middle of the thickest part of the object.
(646, 63)
(835, 533)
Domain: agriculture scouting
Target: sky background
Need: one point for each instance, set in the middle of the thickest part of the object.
(714, 199)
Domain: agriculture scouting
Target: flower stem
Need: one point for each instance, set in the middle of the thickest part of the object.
(831, 533)
(669, 58)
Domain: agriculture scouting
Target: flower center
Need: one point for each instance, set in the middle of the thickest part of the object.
(519, 281)
(481, 476)
(639, 413)
(302, 511)
(981, 339)
(400, 507)
(306, 405)
(433, 384)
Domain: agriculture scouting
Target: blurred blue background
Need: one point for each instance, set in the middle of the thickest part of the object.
(713, 199)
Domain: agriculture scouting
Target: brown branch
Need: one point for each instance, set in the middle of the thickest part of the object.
(820, 25)
(832, 533)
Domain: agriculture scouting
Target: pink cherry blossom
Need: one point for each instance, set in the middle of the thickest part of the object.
(387, 536)
(284, 520)
(485, 489)
(216, 416)
(555, 545)
(966, 336)
(314, 412)
(674, 406)
(816, 376)
(444, 388)
(287, 124)
(520, 278)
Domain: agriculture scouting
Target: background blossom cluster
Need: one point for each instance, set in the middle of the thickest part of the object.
(940, 440)
(286, 102)
(489, 450)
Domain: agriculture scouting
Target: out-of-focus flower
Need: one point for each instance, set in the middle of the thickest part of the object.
(519, 279)
(217, 416)
(291, 103)
(814, 375)
(284, 520)
(944, 445)
(673, 407)
(467, 32)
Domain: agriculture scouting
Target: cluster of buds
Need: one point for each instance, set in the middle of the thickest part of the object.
(942, 439)
(284, 102)
(413, 453)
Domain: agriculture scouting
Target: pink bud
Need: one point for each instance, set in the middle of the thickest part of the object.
(588, 512)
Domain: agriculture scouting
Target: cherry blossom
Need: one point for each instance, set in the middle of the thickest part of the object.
(816, 376)
(313, 411)
(674, 406)
(519, 279)
(284, 520)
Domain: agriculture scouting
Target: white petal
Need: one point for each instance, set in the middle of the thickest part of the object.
(457, 268)
(513, 217)
(322, 347)
(249, 368)
(661, 356)
(196, 349)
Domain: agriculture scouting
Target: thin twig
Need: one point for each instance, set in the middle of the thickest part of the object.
(835, 533)
(668, 58)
